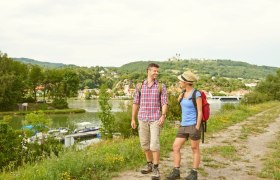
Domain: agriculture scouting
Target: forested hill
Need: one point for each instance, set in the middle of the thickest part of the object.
(219, 68)
(40, 63)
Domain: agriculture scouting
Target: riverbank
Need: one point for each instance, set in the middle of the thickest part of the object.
(108, 158)
(52, 111)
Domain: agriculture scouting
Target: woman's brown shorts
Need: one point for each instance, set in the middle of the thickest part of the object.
(189, 131)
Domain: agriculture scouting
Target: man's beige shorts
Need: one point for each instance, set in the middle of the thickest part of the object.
(149, 132)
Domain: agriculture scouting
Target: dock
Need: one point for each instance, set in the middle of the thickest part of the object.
(69, 140)
(226, 98)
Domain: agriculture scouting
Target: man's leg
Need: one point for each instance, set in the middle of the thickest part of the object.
(149, 155)
(155, 148)
(156, 157)
(144, 135)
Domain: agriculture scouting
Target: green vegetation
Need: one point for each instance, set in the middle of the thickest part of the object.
(100, 161)
(105, 159)
(39, 63)
(215, 75)
(15, 151)
(21, 83)
(106, 116)
(217, 68)
(272, 161)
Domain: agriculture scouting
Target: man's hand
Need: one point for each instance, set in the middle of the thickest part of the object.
(133, 124)
(161, 120)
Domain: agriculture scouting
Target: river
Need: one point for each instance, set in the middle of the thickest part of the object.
(91, 107)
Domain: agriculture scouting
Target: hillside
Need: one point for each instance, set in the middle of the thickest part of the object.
(40, 63)
(218, 68)
(210, 68)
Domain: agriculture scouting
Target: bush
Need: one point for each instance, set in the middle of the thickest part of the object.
(28, 99)
(255, 98)
(60, 104)
(123, 121)
(10, 147)
(15, 151)
(174, 109)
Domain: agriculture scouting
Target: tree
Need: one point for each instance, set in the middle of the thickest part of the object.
(270, 86)
(70, 83)
(266, 90)
(38, 120)
(36, 78)
(106, 116)
(13, 80)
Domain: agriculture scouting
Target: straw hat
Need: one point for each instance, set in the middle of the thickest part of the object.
(188, 77)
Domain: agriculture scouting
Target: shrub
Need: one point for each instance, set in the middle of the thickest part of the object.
(174, 109)
(15, 149)
(106, 117)
(60, 104)
(255, 98)
(123, 121)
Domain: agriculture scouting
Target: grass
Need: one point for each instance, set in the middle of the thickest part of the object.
(226, 118)
(226, 152)
(259, 123)
(272, 162)
(231, 115)
(99, 161)
(107, 158)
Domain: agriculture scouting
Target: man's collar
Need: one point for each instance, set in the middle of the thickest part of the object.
(155, 81)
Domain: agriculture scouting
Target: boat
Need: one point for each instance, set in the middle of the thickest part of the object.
(85, 127)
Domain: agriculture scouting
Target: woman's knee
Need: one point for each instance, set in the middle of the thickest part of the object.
(176, 147)
(195, 148)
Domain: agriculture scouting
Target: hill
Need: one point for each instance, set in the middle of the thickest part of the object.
(218, 68)
(40, 63)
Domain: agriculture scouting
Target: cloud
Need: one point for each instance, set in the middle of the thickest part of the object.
(107, 33)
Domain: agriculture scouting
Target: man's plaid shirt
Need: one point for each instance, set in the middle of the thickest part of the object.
(149, 109)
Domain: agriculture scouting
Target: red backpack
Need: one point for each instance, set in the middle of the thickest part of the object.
(205, 105)
(205, 110)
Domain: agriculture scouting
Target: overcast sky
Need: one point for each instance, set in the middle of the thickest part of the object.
(116, 32)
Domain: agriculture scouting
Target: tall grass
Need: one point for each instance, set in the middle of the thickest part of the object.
(99, 161)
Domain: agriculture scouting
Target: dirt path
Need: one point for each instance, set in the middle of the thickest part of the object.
(248, 162)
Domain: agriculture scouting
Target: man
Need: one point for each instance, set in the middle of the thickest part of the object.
(149, 97)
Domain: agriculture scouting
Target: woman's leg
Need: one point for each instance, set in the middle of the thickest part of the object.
(196, 153)
(176, 151)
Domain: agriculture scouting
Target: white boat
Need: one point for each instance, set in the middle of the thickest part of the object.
(85, 127)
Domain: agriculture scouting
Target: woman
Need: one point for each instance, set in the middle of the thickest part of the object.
(189, 126)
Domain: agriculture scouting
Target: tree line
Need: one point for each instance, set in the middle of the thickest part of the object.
(20, 82)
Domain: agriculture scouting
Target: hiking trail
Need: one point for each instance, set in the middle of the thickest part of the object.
(250, 152)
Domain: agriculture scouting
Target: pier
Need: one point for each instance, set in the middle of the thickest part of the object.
(226, 98)
(69, 140)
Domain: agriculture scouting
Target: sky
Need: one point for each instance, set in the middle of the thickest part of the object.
(116, 32)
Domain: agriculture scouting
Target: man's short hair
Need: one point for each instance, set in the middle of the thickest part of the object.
(152, 65)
